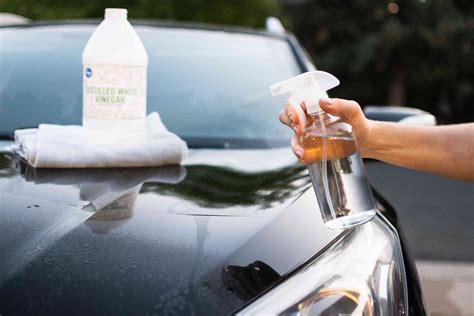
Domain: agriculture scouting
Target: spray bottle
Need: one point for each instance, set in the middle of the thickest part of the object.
(335, 166)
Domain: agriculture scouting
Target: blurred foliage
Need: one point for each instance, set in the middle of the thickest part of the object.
(406, 52)
(243, 12)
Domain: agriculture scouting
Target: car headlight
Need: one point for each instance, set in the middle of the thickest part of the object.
(362, 273)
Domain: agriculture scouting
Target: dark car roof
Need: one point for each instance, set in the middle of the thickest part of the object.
(161, 24)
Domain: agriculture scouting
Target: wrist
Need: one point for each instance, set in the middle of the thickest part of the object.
(382, 140)
(371, 144)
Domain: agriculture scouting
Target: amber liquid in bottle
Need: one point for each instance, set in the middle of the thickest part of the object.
(337, 172)
(336, 147)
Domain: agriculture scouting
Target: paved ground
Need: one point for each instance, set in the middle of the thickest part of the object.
(448, 287)
(437, 215)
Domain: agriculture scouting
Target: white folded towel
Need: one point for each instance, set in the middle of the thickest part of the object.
(59, 146)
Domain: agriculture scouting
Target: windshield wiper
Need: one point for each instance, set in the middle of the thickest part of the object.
(233, 143)
(215, 143)
(6, 136)
(11, 135)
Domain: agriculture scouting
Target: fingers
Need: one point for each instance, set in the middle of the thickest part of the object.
(289, 120)
(284, 118)
(296, 116)
(289, 116)
(297, 149)
(350, 110)
(295, 145)
(293, 116)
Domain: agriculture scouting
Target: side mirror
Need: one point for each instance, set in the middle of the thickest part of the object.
(400, 114)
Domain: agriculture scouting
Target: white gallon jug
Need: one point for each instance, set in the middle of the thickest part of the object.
(114, 79)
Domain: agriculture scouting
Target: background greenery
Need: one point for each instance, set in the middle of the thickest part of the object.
(406, 52)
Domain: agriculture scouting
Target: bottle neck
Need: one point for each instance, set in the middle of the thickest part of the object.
(325, 124)
(120, 14)
(322, 117)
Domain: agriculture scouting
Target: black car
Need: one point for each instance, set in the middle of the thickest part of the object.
(235, 229)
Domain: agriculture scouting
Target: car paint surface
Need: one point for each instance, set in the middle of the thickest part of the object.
(205, 237)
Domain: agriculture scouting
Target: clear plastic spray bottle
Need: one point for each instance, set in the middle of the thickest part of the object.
(335, 166)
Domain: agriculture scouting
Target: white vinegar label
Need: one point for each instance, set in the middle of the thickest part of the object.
(114, 92)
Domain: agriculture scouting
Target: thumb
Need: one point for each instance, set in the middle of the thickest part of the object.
(350, 110)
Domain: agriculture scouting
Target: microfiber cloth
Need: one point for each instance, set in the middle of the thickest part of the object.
(68, 146)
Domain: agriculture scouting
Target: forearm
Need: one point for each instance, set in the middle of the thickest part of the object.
(444, 150)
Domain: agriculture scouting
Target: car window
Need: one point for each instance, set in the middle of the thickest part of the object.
(206, 85)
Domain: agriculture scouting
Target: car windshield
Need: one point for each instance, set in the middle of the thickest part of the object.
(210, 87)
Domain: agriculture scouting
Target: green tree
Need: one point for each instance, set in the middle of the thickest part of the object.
(407, 52)
(244, 12)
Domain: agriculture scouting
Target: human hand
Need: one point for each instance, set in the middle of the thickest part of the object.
(298, 119)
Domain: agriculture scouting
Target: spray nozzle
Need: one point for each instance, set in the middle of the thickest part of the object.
(308, 87)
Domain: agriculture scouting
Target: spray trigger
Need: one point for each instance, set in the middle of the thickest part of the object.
(308, 87)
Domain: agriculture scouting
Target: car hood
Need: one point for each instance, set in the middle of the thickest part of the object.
(206, 237)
